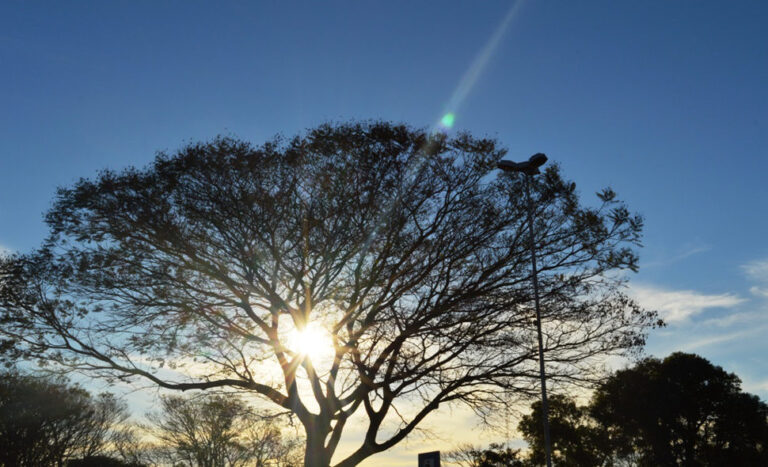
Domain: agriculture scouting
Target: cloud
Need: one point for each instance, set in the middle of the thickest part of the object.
(679, 305)
(733, 319)
(758, 387)
(743, 340)
(687, 251)
(5, 251)
(708, 341)
(756, 270)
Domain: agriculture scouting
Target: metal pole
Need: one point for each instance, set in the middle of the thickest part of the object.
(544, 405)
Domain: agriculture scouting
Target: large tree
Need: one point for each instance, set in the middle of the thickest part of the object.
(403, 250)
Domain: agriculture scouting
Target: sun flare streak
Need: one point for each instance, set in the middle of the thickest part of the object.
(476, 69)
(447, 120)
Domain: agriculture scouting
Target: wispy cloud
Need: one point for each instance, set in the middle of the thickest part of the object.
(708, 341)
(683, 253)
(757, 271)
(735, 319)
(744, 340)
(756, 387)
(679, 305)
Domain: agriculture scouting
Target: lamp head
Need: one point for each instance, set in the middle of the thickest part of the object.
(529, 167)
(507, 166)
(538, 159)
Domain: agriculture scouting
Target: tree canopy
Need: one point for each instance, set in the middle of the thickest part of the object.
(403, 250)
(218, 430)
(576, 439)
(47, 421)
(495, 455)
(681, 410)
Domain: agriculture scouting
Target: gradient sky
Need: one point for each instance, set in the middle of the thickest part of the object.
(667, 102)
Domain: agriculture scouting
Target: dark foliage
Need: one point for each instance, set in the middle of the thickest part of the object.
(47, 421)
(101, 461)
(216, 430)
(406, 247)
(678, 411)
(683, 411)
(576, 440)
(495, 455)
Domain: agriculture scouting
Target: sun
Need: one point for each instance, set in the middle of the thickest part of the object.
(313, 341)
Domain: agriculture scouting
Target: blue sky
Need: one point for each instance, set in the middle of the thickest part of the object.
(666, 102)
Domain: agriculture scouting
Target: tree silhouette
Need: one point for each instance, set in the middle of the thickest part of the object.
(683, 411)
(403, 249)
(576, 439)
(47, 421)
(102, 461)
(220, 430)
(678, 411)
(495, 455)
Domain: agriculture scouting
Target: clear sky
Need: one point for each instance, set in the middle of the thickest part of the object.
(667, 102)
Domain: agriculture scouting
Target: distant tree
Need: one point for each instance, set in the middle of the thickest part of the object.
(46, 421)
(107, 416)
(495, 455)
(402, 249)
(130, 445)
(576, 439)
(683, 411)
(219, 431)
(101, 461)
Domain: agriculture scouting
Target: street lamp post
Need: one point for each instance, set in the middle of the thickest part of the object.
(531, 168)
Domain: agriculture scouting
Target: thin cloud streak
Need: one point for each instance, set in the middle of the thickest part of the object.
(685, 254)
(756, 270)
(679, 305)
(743, 318)
(719, 339)
(756, 386)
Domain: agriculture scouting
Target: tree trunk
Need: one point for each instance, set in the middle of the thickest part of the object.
(358, 456)
(354, 459)
(315, 454)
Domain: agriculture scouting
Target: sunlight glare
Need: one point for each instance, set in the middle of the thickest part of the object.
(313, 341)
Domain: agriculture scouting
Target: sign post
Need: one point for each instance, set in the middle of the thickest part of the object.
(429, 459)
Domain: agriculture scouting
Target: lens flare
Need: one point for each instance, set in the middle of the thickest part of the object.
(478, 66)
(467, 82)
